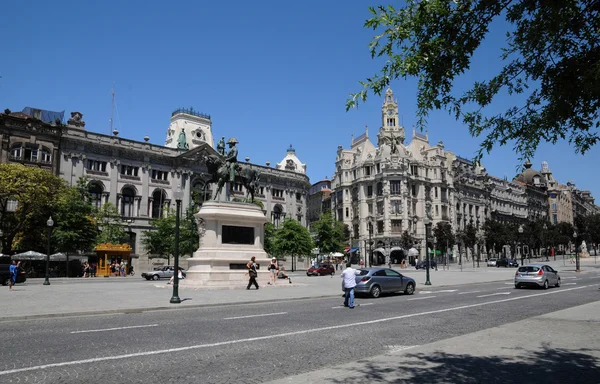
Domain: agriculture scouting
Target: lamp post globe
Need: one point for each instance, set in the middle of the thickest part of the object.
(178, 197)
(49, 224)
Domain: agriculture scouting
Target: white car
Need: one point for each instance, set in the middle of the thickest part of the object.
(491, 262)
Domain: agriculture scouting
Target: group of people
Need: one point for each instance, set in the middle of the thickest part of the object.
(89, 270)
(275, 272)
(118, 269)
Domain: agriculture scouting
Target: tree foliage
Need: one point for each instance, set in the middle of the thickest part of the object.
(551, 58)
(110, 225)
(269, 241)
(444, 236)
(159, 241)
(329, 234)
(292, 239)
(406, 240)
(36, 192)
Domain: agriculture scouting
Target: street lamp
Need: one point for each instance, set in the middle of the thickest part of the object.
(520, 244)
(1, 243)
(544, 239)
(49, 224)
(576, 253)
(370, 226)
(178, 197)
(427, 223)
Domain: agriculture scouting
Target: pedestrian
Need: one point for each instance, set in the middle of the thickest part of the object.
(252, 273)
(348, 283)
(179, 276)
(273, 271)
(14, 272)
(123, 269)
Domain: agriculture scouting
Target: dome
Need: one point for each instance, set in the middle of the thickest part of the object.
(531, 176)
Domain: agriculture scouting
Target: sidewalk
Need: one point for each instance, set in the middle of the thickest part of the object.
(556, 348)
(78, 296)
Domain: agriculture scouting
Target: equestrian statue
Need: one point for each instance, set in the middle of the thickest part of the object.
(227, 169)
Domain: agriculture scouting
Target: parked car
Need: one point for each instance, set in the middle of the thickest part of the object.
(537, 275)
(5, 275)
(491, 262)
(506, 263)
(375, 281)
(321, 270)
(423, 264)
(161, 273)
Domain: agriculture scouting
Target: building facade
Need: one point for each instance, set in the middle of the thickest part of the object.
(139, 177)
(319, 200)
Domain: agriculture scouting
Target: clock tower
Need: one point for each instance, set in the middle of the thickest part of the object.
(390, 120)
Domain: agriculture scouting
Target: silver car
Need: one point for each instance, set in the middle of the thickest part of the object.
(540, 275)
(375, 281)
(491, 262)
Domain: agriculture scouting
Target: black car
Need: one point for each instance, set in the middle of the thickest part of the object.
(5, 275)
(506, 263)
(423, 264)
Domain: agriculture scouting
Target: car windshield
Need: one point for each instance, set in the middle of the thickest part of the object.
(528, 269)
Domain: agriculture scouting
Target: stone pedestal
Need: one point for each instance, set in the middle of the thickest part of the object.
(230, 234)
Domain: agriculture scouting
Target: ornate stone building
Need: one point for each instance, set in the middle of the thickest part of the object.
(139, 177)
(536, 187)
(319, 200)
(508, 201)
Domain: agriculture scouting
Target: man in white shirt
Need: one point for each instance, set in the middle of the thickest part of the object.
(349, 276)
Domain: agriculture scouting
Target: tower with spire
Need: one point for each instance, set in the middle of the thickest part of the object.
(391, 128)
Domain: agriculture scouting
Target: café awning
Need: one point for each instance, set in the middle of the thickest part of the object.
(29, 255)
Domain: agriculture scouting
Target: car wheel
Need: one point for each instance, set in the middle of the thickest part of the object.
(375, 291)
(545, 284)
(517, 286)
(6, 281)
(410, 289)
(148, 278)
(558, 283)
(307, 274)
(155, 277)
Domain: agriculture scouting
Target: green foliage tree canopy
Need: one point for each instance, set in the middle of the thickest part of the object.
(551, 58)
(329, 234)
(292, 239)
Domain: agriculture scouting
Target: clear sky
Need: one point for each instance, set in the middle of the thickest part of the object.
(271, 73)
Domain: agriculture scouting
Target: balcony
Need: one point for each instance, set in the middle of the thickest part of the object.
(278, 198)
(97, 173)
(128, 177)
(158, 181)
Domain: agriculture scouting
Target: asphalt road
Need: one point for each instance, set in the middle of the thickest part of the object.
(264, 341)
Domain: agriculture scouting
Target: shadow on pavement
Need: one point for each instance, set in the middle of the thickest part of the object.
(548, 365)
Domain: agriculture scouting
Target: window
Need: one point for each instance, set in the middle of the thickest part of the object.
(347, 212)
(554, 218)
(95, 165)
(380, 189)
(298, 196)
(11, 205)
(16, 151)
(391, 273)
(31, 152)
(554, 206)
(127, 197)
(435, 172)
(396, 207)
(369, 190)
(370, 209)
(380, 207)
(396, 226)
(159, 175)
(378, 168)
(45, 157)
(436, 192)
(380, 226)
(277, 193)
(437, 210)
(367, 171)
(354, 174)
(158, 202)
(128, 170)
(95, 195)
(395, 187)
(414, 170)
(237, 187)
(413, 189)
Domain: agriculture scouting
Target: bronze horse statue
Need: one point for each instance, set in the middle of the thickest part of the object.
(219, 172)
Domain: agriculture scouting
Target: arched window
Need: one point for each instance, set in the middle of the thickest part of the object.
(278, 215)
(127, 196)
(158, 203)
(95, 194)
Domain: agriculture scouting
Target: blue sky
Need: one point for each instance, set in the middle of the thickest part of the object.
(271, 73)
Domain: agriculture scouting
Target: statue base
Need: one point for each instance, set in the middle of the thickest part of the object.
(230, 234)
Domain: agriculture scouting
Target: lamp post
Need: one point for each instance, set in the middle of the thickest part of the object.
(520, 244)
(427, 223)
(576, 253)
(178, 197)
(49, 224)
(544, 242)
(370, 226)
(1, 242)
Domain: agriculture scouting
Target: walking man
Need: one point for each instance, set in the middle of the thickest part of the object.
(349, 282)
(14, 271)
(252, 272)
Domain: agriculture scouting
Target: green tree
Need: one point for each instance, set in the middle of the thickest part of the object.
(269, 241)
(551, 59)
(110, 225)
(444, 235)
(292, 239)
(594, 231)
(495, 235)
(469, 238)
(329, 234)
(75, 228)
(159, 241)
(406, 240)
(36, 193)
(189, 239)
(564, 233)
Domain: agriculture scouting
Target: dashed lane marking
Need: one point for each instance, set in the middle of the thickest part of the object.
(116, 329)
(352, 325)
(506, 287)
(464, 293)
(569, 284)
(495, 294)
(249, 316)
(422, 298)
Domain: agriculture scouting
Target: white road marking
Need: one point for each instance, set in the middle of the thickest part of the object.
(495, 294)
(422, 298)
(506, 287)
(570, 277)
(115, 329)
(356, 305)
(447, 290)
(398, 348)
(464, 293)
(362, 305)
(249, 316)
(425, 292)
(509, 283)
(280, 335)
(569, 284)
